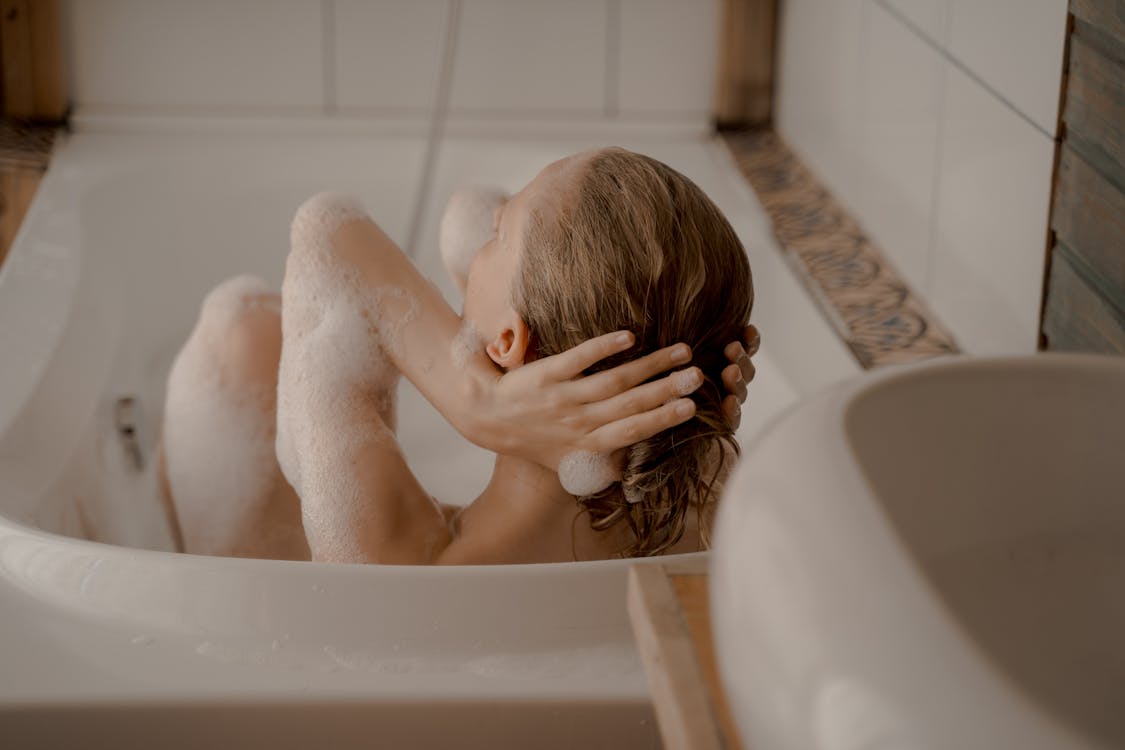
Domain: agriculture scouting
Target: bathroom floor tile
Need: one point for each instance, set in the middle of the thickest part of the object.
(876, 313)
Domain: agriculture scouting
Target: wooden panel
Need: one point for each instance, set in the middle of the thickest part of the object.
(680, 695)
(694, 595)
(1107, 16)
(746, 63)
(1094, 112)
(1077, 317)
(17, 188)
(1089, 218)
(34, 86)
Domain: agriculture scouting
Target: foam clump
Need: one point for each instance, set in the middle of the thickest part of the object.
(321, 215)
(468, 341)
(466, 226)
(336, 381)
(584, 473)
(218, 431)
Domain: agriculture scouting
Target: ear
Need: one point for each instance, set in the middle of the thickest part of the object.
(510, 347)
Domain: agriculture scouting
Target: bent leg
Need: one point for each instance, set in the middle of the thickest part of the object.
(336, 383)
(226, 487)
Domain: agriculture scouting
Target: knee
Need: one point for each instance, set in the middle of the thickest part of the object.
(240, 325)
(320, 216)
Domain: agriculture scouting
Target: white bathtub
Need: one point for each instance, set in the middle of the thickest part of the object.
(124, 639)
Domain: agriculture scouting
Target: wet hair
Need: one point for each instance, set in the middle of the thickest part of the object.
(635, 245)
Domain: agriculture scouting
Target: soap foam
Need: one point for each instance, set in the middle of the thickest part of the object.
(466, 226)
(686, 381)
(586, 472)
(336, 382)
(218, 433)
(468, 341)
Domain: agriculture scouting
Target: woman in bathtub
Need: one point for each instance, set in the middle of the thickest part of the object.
(279, 440)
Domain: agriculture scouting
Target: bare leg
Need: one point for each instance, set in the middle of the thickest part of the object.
(225, 485)
(341, 327)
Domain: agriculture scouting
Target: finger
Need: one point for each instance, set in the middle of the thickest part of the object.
(747, 368)
(626, 432)
(753, 339)
(734, 351)
(572, 362)
(733, 412)
(642, 398)
(734, 382)
(609, 383)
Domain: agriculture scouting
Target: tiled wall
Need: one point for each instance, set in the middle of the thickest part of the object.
(934, 122)
(580, 60)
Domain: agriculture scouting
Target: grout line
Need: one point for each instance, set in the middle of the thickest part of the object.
(438, 119)
(939, 154)
(612, 57)
(328, 54)
(960, 65)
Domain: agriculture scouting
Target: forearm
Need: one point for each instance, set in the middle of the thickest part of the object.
(417, 328)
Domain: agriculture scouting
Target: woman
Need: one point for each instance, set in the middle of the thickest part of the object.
(597, 243)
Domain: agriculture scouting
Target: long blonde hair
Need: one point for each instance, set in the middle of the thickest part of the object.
(637, 246)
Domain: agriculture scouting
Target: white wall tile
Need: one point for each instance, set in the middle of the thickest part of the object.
(388, 53)
(993, 197)
(531, 56)
(928, 16)
(668, 56)
(1016, 47)
(817, 106)
(901, 108)
(241, 54)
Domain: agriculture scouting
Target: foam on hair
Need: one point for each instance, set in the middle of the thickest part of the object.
(586, 472)
(336, 382)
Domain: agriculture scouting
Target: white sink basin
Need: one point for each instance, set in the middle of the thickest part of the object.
(932, 557)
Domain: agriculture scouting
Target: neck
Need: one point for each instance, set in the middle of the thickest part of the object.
(532, 493)
(524, 515)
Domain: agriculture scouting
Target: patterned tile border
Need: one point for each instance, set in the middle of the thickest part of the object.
(873, 310)
(27, 146)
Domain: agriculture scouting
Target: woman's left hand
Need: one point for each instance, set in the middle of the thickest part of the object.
(547, 408)
(737, 376)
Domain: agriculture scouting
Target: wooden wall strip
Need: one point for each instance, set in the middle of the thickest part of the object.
(1094, 111)
(19, 95)
(1108, 16)
(32, 53)
(1089, 218)
(746, 61)
(1077, 318)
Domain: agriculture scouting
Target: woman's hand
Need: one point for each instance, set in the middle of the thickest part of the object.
(737, 376)
(547, 408)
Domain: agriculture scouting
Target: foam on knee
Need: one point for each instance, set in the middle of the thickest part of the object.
(466, 226)
(337, 379)
(320, 216)
(232, 297)
(218, 429)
